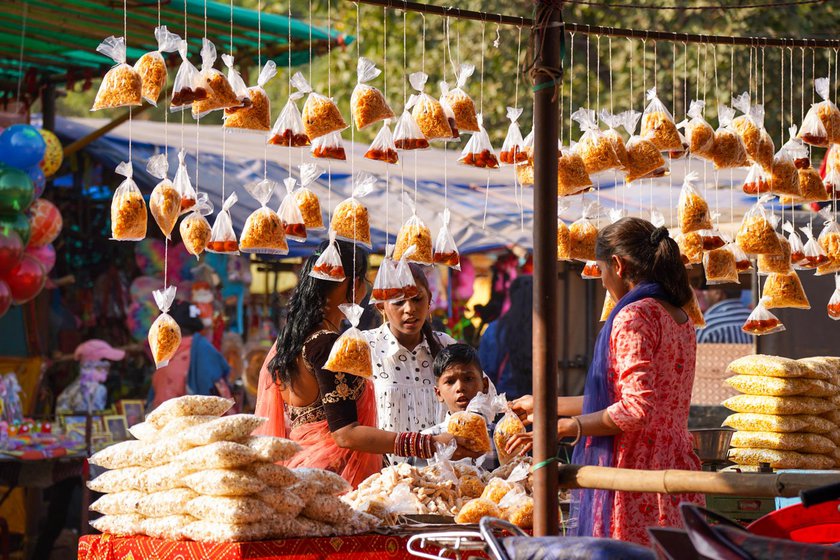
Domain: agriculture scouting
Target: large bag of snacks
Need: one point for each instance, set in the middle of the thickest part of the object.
(165, 201)
(164, 334)
(719, 266)
(471, 424)
(757, 234)
(583, 235)
(166, 503)
(821, 126)
(427, 111)
(350, 219)
(272, 475)
(761, 321)
(307, 200)
(382, 148)
(614, 136)
(152, 67)
(183, 184)
(221, 94)
(775, 458)
(407, 134)
(478, 151)
(128, 209)
(513, 148)
(320, 114)
(594, 147)
(272, 449)
(288, 130)
(445, 250)
(226, 509)
(224, 482)
(497, 489)
(118, 456)
(116, 480)
(729, 150)
(777, 387)
(752, 422)
(785, 290)
(757, 181)
(834, 302)
(692, 209)
(328, 266)
(699, 133)
(189, 85)
(227, 428)
(367, 104)
(459, 102)
(218, 455)
(750, 127)
(169, 527)
(643, 156)
(784, 176)
(780, 263)
(329, 146)
(195, 229)
(222, 236)
(658, 125)
(122, 86)
(763, 404)
(766, 365)
(290, 215)
(351, 352)
(283, 501)
(187, 411)
(255, 114)
(119, 525)
(263, 231)
(572, 177)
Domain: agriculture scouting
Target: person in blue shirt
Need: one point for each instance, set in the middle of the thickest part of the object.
(725, 317)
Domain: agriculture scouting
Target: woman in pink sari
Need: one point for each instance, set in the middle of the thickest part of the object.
(332, 415)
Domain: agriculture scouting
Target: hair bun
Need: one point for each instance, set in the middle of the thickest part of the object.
(658, 235)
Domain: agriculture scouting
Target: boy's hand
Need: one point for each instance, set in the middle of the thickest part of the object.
(461, 451)
(524, 408)
(520, 444)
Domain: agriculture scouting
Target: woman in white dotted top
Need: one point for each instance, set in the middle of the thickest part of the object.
(403, 350)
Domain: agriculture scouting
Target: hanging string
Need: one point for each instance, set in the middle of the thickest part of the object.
(166, 154)
(571, 80)
(644, 93)
(289, 40)
(588, 72)
(790, 83)
(405, 102)
(329, 94)
(481, 91)
(611, 77)
(674, 112)
(782, 96)
(224, 136)
(125, 34)
(423, 52)
(385, 93)
(24, 18)
(597, 97)
(516, 104)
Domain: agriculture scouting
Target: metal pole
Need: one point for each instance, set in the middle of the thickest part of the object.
(546, 37)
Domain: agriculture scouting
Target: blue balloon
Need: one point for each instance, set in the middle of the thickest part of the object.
(21, 146)
(39, 180)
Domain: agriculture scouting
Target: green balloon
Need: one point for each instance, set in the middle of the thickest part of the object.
(18, 223)
(16, 190)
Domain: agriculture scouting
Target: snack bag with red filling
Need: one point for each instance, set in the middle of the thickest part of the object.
(222, 237)
(757, 181)
(189, 86)
(405, 279)
(513, 148)
(821, 126)
(813, 255)
(797, 249)
(382, 148)
(761, 321)
(478, 152)
(289, 212)
(351, 352)
(183, 184)
(407, 135)
(122, 86)
(329, 146)
(152, 67)
(288, 130)
(446, 252)
(328, 266)
(834, 302)
(386, 285)
(742, 260)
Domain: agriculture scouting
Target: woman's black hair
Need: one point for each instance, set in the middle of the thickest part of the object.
(651, 256)
(516, 326)
(427, 331)
(306, 308)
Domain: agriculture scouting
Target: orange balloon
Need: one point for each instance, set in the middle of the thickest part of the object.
(46, 222)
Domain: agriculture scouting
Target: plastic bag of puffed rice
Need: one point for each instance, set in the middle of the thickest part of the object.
(169, 527)
(328, 482)
(326, 508)
(226, 428)
(229, 509)
(119, 455)
(218, 455)
(305, 489)
(146, 432)
(117, 480)
(161, 452)
(272, 474)
(272, 449)
(189, 405)
(283, 501)
(209, 531)
(165, 477)
(777, 405)
(120, 503)
(119, 525)
(166, 503)
(224, 482)
(771, 366)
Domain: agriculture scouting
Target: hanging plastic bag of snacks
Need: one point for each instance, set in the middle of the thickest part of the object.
(712, 238)
(478, 152)
(728, 151)
(513, 149)
(256, 115)
(320, 114)
(658, 125)
(152, 67)
(351, 352)
(594, 148)
(761, 321)
(122, 86)
(427, 111)
(742, 260)
(785, 290)
(591, 271)
(386, 285)
(784, 177)
(757, 181)
(750, 127)
(699, 133)
(328, 266)
(834, 302)
(695, 315)
(164, 334)
(614, 136)
(222, 237)
(414, 233)
(813, 255)
(446, 251)
(382, 148)
(757, 235)
(195, 229)
(220, 94)
(779, 263)
(821, 125)
(407, 135)
(288, 130)
(505, 429)
(293, 225)
(307, 201)
(350, 220)
(263, 232)
(811, 186)
(797, 249)
(564, 242)
(367, 104)
(189, 86)
(459, 102)
(165, 201)
(829, 240)
(450, 116)
(583, 235)
(719, 266)
(692, 209)
(405, 279)
(128, 209)
(832, 181)
(681, 153)
(234, 78)
(572, 177)
(691, 247)
(183, 184)
(329, 146)
(643, 157)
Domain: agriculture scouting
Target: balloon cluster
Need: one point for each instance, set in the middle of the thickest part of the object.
(28, 223)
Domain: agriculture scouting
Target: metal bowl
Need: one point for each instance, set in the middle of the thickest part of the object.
(712, 444)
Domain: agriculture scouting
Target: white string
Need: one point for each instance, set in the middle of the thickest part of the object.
(24, 19)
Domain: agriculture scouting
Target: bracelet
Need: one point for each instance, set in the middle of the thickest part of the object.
(579, 430)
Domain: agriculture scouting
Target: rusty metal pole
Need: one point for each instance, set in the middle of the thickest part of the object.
(546, 37)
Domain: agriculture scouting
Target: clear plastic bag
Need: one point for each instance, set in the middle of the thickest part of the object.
(742, 260)
(263, 232)
(691, 247)
(189, 86)
(310, 206)
(445, 250)
(785, 290)
(350, 219)
(382, 148)
(658, 125)
(813, 255)
(750, 127)
(235, 80)
(728, 151)
(152, 67)
(757, 181)
(165, 201)
(128, 209)
(222, 237)
(834, 302)
(821, 126)
(405, 279)
(329, 146)
(756, 234)
(643, 157)
(797, 249)
(583, 235)
(183, 184)
(829, 240)
(459, 103)
(386, 285)
(564, 242)
(505, 429)
(328, 266)
(164, 334)
(513, 148)
(591, 271)
(692, 209)
(220, 94)
(427, 111)
(320, 114)
(682, 152)
(712, 238)
(572, 177)
(288, 130)
(195, 229)
(471, 424)
(594, 147)
(122, 86)
(719, 266)
(407, 135)
(478, 151)
(761, 321)
(414, 232)
(784, 177)
(698, 132)
(778, 263)
(289, 212)
(832, 181)
(367, 104)
(351, 352)
(614, 136)
(811, 186)
(254, 115)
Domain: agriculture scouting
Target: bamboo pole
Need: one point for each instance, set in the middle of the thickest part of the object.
(759, 485)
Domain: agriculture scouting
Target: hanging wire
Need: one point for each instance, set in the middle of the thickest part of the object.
(24, 19)
(329, 94)
(481, 110)
(611, 77)
(571, 80)
(385, 93)
(516, 104)
(588, 72)
(125, 34)
(289, 39)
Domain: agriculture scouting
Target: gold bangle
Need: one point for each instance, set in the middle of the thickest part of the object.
(579, 430)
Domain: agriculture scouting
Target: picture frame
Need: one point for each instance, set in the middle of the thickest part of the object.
(115, 425)
(74, 426)
(133, 410)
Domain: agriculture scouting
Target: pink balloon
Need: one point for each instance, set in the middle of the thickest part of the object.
(26, 279)
(5, 297)
(11, 249)
(46, 222)
(45, 255)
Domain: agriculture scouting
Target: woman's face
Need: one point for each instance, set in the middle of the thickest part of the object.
(408, 315)
(611, 272)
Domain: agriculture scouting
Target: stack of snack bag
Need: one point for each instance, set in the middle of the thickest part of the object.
(784, 415)
(194, 474)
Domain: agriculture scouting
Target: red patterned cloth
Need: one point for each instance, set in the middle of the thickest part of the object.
(372, 547)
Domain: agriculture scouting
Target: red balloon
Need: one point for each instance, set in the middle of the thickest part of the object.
(26, 279)
(5, 297)
(46, 222)
(45, 255)
(11, 249)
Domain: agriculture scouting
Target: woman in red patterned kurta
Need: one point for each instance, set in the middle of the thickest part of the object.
(634, 412)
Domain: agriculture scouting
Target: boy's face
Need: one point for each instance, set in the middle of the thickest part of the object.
(458, 384)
